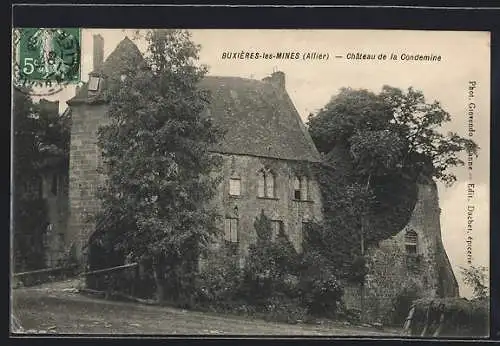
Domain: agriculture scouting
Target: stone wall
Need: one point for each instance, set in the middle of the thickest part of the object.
(394, 272)
(248, 206)
(83, 176)
(84, 180)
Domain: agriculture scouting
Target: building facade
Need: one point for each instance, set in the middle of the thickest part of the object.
(266, 150)
(267, 158)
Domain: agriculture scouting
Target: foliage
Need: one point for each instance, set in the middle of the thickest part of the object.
(271, 265)
(31, 221)
(158, 165)
(462, 317)
(476, 277)
(220, 279)
(377, 147)
(321, 292)
(390, 132)
(40, 135)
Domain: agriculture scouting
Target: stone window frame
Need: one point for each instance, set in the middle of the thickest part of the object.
(231, 244)
(411, 242)
(264, 189)
(301, 190)
(95, 79)
(233, 221)
(235, 178)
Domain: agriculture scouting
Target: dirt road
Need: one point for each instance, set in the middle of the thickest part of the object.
(59, 308)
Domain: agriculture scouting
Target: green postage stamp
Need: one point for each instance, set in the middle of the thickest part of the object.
(47, 59)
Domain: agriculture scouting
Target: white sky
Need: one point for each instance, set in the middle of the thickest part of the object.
(464, 56)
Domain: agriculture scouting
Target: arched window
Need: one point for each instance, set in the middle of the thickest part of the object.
(411, 241)
(261, 184)
(266, 184)
(269, 184)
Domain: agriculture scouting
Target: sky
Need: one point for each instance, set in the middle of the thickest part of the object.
(465, 57)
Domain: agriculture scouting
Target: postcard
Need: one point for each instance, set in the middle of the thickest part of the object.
(251, 182)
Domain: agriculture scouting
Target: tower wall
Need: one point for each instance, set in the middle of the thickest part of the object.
(396, 275)
(83, 175)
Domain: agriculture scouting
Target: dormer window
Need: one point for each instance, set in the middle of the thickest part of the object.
(94, 83)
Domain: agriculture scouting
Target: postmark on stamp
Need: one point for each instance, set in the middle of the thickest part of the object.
(46, 59)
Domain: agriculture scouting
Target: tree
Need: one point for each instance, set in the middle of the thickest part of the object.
(476, 278)
(158, 164)
(391, 141)
(40, 134)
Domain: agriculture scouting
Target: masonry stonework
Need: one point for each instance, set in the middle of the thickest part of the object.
(84, 176)
(393, 271)
(282, 207)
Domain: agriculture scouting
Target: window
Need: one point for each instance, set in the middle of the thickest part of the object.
(276, 227)
(300, 189)
(235, 186)
(304, 193)
(231, 230)
(55, 183)
(266, 184)
(261, 184)
(269, 184)
(94, 83)
(411, 241)
(297, 192)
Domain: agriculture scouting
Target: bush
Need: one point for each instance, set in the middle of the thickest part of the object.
(321, 291)
(271, 268)
(281, 308)
(219, 282)
(462, 317)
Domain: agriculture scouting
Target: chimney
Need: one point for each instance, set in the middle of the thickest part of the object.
(98, 52)
(277, 78)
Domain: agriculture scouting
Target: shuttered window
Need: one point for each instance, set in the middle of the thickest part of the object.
(231, 230)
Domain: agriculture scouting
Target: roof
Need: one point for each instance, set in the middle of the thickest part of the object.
(126, 56)
(258, 116)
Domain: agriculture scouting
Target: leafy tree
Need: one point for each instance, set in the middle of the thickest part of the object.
(476, 278)
(382, 144)
(391, 140)
(159, 169)
(390, 132)
(40, 135)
